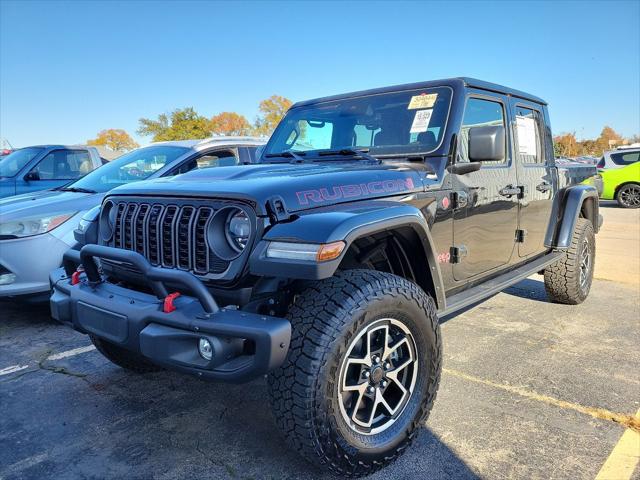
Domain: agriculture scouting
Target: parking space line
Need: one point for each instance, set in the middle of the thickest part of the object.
(628, 421)
(13, 369)
(71, 353)
(624, 457)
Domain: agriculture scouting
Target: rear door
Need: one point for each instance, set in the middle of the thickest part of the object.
(485, 219)
(532, 160)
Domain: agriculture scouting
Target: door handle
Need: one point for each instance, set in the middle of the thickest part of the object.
(543, 187)
(509, 191)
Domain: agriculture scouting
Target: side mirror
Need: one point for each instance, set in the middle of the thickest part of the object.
(487, 144)
(32, 175)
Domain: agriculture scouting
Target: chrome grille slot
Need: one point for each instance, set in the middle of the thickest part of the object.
(200, 246)
(127, 232)
(167, 232)
(153, 245)
(183, 245)
(138, 237)
(117, 232)
(168, 235)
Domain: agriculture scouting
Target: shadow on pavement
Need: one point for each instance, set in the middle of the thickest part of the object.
(114, 424)
(528, 288)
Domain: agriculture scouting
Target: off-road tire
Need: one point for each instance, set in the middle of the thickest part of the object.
(303, 392)
(562, 279)
(123, 357)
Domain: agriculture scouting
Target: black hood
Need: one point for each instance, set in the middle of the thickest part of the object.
(300, 186)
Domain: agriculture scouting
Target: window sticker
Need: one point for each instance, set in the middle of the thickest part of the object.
(527, 144)
(421, 121)
(424, 100)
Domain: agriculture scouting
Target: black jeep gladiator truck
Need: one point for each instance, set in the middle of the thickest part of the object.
(328, 265)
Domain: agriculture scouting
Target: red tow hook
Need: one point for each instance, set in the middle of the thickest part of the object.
(75, 276)
(168, 302)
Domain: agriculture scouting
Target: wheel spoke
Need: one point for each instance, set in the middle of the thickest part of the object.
(356, 407)
(395, 347)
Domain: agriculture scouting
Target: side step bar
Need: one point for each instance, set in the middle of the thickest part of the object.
(486, 289)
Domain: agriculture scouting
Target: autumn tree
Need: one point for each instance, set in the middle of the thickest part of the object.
(565, 145)
(114, 139)
(272, 110)
(608, 139)
(181, 124)
(230, 123)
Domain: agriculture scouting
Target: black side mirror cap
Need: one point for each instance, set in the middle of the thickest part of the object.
(487, 144)
(32, 175)
(464, 168)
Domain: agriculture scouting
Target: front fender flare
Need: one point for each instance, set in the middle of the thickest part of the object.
(346, 224)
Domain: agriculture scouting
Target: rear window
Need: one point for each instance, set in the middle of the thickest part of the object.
(625, 158)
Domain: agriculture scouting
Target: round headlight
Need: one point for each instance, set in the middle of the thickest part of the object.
(229, 232)
(238, 229)
(107, 220)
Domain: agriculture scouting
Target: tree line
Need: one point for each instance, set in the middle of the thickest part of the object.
(186, 124)
(566, 144)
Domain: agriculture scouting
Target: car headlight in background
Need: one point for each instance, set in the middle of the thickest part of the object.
(88, 218)
(36, 225)
(229, 232)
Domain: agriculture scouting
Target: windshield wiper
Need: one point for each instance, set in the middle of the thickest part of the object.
(77, 190)
(357, 154)
(287, 154)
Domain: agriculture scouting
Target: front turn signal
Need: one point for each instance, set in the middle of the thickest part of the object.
(330, 251)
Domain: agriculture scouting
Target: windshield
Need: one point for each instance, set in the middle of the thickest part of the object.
(132, 167)
(395, 124)
(14, 162)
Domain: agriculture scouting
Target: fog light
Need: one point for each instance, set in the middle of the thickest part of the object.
(7, 278)
(205, 349)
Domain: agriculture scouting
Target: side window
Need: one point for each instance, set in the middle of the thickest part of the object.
(479, 113)
(529, 135)
(625, 158)
(63, 165)
(221, 158)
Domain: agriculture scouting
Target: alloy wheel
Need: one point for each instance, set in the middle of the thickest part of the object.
(377, 376)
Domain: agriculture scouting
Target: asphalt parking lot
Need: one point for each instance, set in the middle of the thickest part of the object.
(530, 390)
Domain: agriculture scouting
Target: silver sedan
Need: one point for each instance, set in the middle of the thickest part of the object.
(36, 229)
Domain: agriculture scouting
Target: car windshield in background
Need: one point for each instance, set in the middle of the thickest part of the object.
(394, 124)
(132, 167)
(15, 161)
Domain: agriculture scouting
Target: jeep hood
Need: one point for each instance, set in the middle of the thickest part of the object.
(300, 186)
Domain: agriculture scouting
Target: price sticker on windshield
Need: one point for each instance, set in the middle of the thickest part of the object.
(421, 121)
(424, 100)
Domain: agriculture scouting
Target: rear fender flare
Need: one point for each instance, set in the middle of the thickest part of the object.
(567, 208)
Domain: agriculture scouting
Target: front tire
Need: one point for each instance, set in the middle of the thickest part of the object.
(569, 280)
(628, 196)
(362, 370)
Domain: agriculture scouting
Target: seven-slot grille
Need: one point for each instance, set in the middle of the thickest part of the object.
(173, 236)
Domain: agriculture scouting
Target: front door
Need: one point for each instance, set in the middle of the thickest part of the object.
(57, 168)
(534, 178)
(485, 222)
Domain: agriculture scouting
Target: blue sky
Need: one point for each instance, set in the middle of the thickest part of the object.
(70, 69)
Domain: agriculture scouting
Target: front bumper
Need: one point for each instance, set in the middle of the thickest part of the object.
(245, 344)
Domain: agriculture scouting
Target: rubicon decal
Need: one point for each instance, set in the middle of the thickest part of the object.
(354, 190)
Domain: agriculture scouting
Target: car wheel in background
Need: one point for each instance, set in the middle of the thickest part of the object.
(628, 195)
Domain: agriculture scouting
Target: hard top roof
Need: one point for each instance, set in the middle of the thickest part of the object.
(451, 82)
